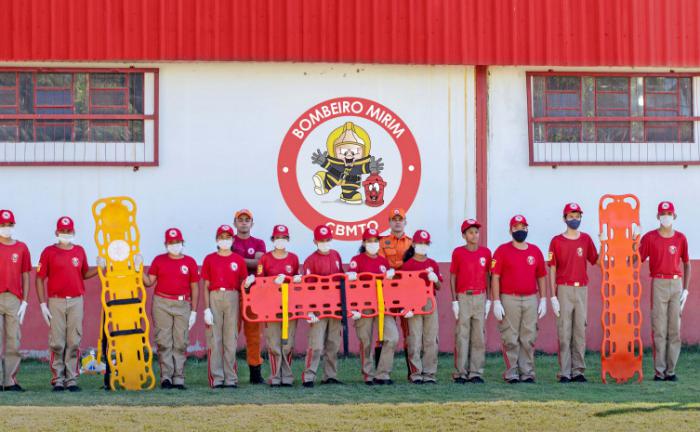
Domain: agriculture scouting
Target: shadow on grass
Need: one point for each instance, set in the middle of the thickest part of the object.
(647, 410)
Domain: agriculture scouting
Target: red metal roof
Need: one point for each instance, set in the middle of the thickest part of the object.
(489, 32)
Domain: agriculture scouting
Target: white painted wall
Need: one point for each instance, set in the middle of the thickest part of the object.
(221, 125)
(541, 192)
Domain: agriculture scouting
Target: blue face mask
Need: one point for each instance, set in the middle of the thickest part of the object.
(573, 223)
(519, 236)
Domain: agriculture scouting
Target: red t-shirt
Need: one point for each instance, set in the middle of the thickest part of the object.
(271, 266)
(323, 265)
(570, 256)
(14, 260)
(665, 254)
(518, 269)
(415, 265)
(224, 271)
(174, 275)
(470, 269)
(64, 269)
(363, 263)
(247, 248)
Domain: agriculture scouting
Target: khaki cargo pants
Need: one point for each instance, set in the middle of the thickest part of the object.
(571, 328)
(363, 328)
(324, 339)
(64, 339)
(470, 346)
(422, 341)
(518, 334)
(280, 355)
(171, 321)
(222, 338)
(666, 324)
(10, 336)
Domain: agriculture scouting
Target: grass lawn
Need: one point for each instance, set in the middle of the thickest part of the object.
(546, 405)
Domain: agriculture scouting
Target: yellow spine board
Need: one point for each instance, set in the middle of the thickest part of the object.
(285, 312)
(380, 309)
(124, 322)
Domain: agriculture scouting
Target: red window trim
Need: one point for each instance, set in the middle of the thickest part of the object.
(154, 116)
(532, 120)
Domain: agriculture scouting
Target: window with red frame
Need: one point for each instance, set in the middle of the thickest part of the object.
(591, 118)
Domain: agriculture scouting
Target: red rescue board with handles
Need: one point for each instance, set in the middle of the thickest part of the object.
(621, 290)
(321, 295)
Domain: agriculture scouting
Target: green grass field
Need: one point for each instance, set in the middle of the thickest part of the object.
(546, 405)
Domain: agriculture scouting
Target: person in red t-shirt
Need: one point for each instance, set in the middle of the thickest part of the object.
(568, 256)
(15, 265)
(422, 337)
(518, 274)
(223, 273)
(60, 274)
(176, 278)
(469, 281)
(324, 334)
(251, 249)
(284, 265)
(369, 261)
(669, 266)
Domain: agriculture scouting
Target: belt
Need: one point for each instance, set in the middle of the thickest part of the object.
(573, 284)
(472, 292)
(174, 297)
(223, 289)
(661, 276)
(519, 295)
(64, 297)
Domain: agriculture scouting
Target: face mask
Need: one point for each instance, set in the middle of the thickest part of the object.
(573, 223)
(280, 244)
(65, 238)
(224, 244)
(666, 220)
(324, 247)
(6, 232)
(372, 248)
(174, 249)
(519, 236)
(421, 249)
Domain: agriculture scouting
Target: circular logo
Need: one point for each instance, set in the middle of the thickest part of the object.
(323, 230)
(574, 206)
(423, 235)
(579, 251)
(75, 261)
(429, 270)
(65, 221)
(382, 269)
(482, 261)
(519, 218)
(280, 228)
(172, 233)
(531, 260)
(5, 215)
(353, 264)
(345, 163)
(234, 266)
(251, 252)
(672, 250)
(15, 258)
(288, 269)
(665, 206)
(184, 269)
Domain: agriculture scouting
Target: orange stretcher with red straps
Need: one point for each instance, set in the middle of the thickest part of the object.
(621, 353)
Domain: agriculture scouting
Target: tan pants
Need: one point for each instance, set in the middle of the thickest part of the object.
(470, 347)
(571, 328)
(422, 341)
(280, 355)
(222, 338)
(171, 321)
(363, 328)
(64, 340)
(324, 339)
(10, 336)
(518, 334)
(666, 324)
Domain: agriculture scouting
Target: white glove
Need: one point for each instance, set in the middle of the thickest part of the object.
(101, 263)
(432, 277)
(208, 317)
(455, 308)
(22, 311)
(355, 315)
(407, 314)
(279, 280)
(352, 276)
(249, 281)
(555, 306)
(390, 274)
(138, 261)
(684, 297)
(296, 279)
(313, 319)
(542, 308)
(498, 310)
(193, 319)
(487, 308)
(46, 314)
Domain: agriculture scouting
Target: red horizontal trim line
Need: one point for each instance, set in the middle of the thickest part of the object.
(632, 74)
(598, 119)
(79, 116)
(65, 164)
(671, 163)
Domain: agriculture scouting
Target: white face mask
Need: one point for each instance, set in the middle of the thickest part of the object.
(666, 220)
(421, 249)
(280, 244)
(224, 244)
(174, 248)
(324, 247)
(372, 248)
(6, 232)
(65, 238)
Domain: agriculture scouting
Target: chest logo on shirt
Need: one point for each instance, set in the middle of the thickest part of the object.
(531, 260)
(353, 264)
(382, 269)
(251, 251)
(482, 261)
(75, 261)
(672, 250)
(288, 269)
(579, 251)
(184, 269)
(15, 258)
(234, 266)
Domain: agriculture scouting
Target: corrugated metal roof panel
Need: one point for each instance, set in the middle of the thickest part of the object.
(490, 32)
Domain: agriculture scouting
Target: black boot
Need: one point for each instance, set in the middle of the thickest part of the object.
(255, 376)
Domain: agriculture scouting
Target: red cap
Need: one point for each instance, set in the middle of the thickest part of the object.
(370, 233)
(518, 219)
(322, 233)
(666, 206)
(280, 231)
(6, 216)
(397, 212)
(173, 235)
(224, 229)
(65, 223)
(421, 236)
(242, 212)
(470, 223)
(572, 208)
